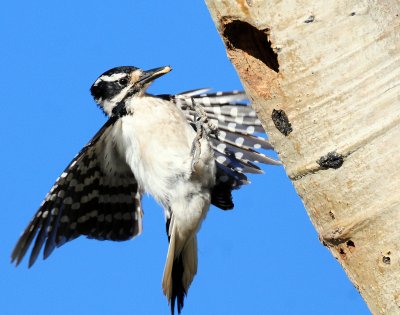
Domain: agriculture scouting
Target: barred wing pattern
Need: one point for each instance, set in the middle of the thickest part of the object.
(84, 201)
(236, 148)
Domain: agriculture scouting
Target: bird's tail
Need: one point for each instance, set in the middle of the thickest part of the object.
(180, 269)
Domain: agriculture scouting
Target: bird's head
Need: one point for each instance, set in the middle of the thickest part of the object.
(117, 84)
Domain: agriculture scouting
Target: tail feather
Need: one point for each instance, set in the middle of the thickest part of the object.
(178, 291)
(180, 269)
(167, 276)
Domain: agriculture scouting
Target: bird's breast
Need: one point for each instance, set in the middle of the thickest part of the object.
(156, 142)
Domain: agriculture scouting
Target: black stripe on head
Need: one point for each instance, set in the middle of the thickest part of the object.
(124, 69)
(107, 89)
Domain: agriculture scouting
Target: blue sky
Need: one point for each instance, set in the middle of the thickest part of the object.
(264, 257)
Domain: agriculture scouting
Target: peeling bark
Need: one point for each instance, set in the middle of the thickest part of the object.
(324, 78)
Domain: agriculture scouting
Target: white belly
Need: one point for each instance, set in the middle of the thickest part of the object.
(157, 142)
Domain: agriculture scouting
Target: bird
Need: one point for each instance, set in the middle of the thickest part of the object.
(187, 150)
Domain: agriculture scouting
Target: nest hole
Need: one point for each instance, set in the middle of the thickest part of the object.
(244, 36)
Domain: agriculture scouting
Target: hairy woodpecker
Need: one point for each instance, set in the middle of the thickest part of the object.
(188, 151)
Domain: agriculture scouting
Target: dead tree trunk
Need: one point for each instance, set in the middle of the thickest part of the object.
(324, 77)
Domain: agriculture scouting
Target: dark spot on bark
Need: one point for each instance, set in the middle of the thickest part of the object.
(244, 36)
(342, 253)
(310, 19)
(331, 160)
(281, 121)
(351, 246)
(352, 13)
(337, 241)
(386, 260)
(332, 215)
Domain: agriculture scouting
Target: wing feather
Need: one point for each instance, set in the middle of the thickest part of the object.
(236, 147)
(85, 200)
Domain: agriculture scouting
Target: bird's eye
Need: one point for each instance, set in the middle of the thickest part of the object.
(123, 81)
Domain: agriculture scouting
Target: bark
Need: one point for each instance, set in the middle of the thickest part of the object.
(324, 77)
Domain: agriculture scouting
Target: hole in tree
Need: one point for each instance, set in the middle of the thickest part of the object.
(244, 36)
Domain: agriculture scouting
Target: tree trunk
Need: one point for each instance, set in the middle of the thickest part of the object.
(324, 77)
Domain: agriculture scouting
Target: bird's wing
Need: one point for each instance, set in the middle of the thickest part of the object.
(85, 200)
(236, 145)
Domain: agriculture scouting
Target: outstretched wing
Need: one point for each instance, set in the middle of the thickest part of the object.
(89, 198)
(236, 147)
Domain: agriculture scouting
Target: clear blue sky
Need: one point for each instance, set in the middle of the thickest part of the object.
(264, 257)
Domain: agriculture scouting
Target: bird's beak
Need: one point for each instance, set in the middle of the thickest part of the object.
(152, 74)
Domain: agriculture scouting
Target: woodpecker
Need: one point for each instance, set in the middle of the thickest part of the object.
(188, 151)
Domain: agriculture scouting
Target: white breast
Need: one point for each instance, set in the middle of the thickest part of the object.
(156, 141)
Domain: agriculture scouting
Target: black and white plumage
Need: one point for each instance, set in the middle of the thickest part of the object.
(188, 151)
